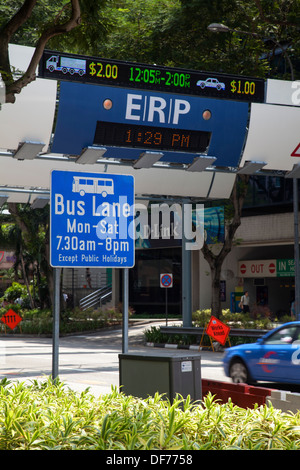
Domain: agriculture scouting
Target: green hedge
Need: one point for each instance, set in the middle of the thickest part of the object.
(40, 322)
(201, 318)
(47, 416)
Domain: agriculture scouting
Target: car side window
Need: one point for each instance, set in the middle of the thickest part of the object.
(284, 336)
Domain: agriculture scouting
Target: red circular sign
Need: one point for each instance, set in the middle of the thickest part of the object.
(243, 268)
(166, 280)
(272, 268)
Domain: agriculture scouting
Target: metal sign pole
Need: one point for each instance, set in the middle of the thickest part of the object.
(166, 307)
(125, 310)
(56, 312)
(186, 274)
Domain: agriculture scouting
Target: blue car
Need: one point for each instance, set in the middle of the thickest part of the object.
(275, 357)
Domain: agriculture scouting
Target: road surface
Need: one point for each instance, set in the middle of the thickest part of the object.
(88, 360)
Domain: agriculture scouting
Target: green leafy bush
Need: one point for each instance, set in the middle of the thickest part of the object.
(201, 319)
(15, 291)
(40, 322)
(48, 416)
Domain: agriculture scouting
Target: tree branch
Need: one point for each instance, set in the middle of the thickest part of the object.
(18, 19)
(273, 19)
(7, 31)
(30, 74)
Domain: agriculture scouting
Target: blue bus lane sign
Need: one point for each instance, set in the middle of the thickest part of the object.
(91, 220)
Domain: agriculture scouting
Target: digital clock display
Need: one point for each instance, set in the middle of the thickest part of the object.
(100, 71)
(161, 138)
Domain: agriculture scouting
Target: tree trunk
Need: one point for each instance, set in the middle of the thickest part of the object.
(26, 280)
(215, 260)
(49, 270)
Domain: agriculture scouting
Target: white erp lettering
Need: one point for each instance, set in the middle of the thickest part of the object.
(180, 107)
(154, 108)
(139, 108)
(131, 107)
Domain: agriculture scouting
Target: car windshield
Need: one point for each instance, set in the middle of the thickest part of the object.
(284, 336)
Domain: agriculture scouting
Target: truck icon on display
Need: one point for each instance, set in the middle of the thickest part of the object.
(66, 65)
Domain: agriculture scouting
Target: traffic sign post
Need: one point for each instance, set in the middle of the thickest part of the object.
(91, 220)
(91, 225)
(166, 282)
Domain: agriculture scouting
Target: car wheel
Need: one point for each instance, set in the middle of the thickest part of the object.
(239, 372)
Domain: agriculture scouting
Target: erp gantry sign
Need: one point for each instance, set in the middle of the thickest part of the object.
(110, 72)
(136, 107)
(91, 220)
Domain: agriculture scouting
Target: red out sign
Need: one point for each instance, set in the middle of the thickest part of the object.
(257, 268)
(11, 319)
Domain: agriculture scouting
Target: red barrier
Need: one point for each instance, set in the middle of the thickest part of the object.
(243, 395)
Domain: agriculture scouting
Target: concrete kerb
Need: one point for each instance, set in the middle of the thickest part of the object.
(284, 400)
(191, 347)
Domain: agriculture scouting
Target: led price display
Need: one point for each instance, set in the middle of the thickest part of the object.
(162, 138)
(60, 66)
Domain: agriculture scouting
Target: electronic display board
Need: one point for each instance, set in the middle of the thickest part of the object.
(175, 124)
(63, 66)
(163, 138)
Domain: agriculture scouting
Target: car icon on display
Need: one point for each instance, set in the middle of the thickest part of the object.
(211, 83)
(275, 357)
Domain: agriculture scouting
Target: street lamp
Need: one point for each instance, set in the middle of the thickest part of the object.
(218, 28)
(221, 28)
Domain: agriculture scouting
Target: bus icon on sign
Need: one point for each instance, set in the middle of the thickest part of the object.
(83, 185)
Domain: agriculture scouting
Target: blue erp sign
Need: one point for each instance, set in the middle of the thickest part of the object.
(91, 220)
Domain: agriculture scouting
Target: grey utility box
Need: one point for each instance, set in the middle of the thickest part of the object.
(144, 375)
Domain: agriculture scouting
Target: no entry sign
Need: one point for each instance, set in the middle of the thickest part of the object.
(217, 330)
(166, 280)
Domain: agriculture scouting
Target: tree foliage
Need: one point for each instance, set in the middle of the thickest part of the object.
(27, 234)
(37, 23)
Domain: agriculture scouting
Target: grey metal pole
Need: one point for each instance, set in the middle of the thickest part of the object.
(296, 248)
(186, 276)
(125, 310)
(56, 312)
(166, 306)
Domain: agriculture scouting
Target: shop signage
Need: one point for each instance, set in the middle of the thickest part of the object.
(285, 267)
(266, 268)
(7, 259)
